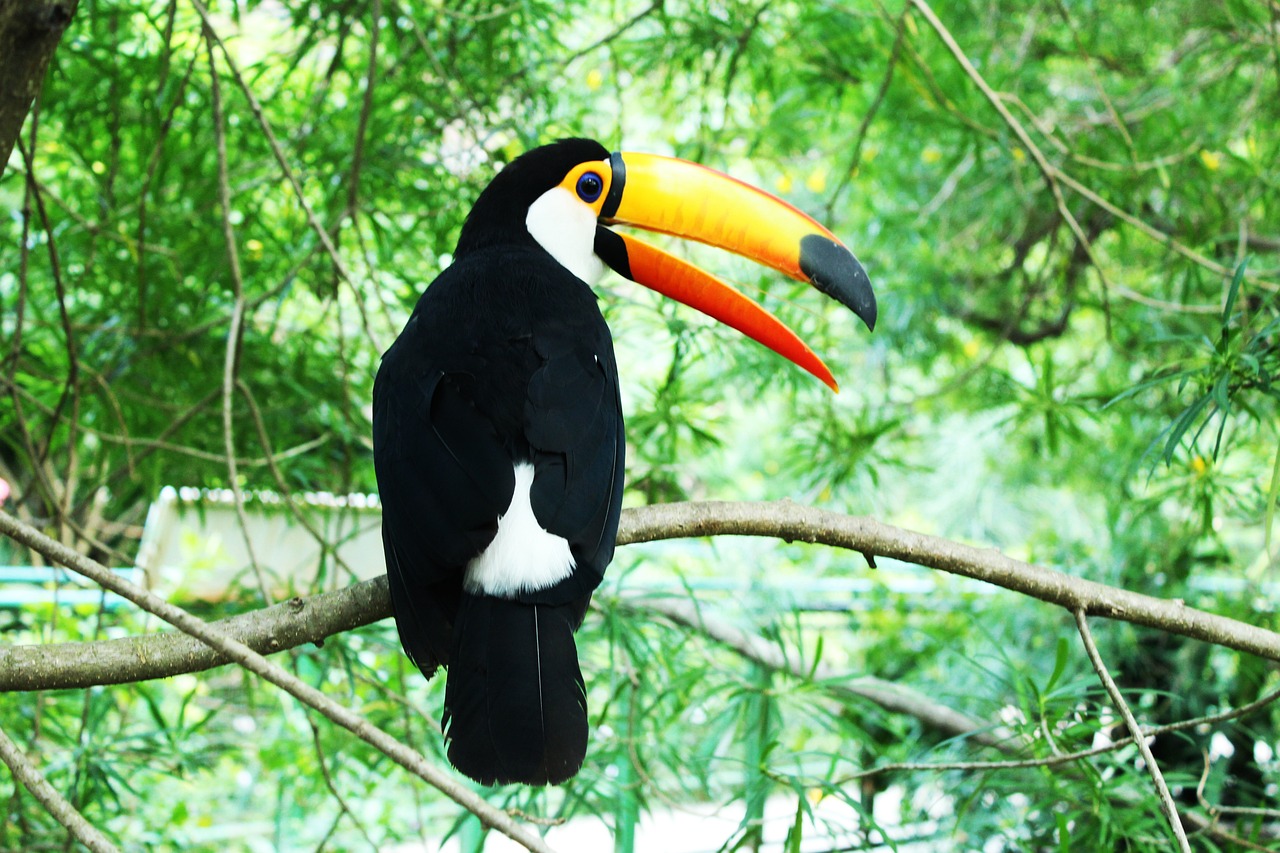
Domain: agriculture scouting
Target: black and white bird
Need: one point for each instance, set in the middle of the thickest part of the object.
(498, 434)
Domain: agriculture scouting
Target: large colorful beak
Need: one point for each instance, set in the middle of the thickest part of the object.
(686, 200)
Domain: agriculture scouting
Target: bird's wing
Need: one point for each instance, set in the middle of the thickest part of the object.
(444, 478)
(573, 422)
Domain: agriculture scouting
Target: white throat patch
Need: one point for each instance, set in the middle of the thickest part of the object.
(566, 228)
(523, 557)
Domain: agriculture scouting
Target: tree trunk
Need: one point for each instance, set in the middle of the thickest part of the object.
(29, 32)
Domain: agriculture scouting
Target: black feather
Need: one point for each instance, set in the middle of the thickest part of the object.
(515, 707)
(421, 429)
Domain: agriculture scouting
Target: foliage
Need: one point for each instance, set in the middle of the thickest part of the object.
(1106, 406)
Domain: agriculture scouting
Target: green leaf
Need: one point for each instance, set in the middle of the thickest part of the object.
(1146, 384)
(1232, 292)
(1061, 653)
(1180, 426)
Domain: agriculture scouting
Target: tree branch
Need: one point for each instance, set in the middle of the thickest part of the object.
(892, 697)
(1167, 805)
(311, 620)
(1025, 138)
(299, 621)
(234, 650)
(283, 626)
(792, 522)
(1053, 175)
(30, 776)
(239, 639)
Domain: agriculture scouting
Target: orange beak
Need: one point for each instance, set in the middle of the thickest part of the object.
(680, 198)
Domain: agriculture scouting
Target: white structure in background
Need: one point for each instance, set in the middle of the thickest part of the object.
(195, 547)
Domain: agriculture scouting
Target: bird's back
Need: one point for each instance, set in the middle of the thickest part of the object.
(503, 379)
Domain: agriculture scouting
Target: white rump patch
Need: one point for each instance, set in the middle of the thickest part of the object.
(566, 228)
(523, 557)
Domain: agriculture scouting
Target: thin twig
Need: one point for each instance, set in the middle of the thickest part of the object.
(366, 109)
(1209, 826)
(151, 445)
(71, 386)
(283, 162)
(246, 657)
(1069, 757)
(1157, 235)
(177, 423)
(357, 161)
(153, 165)
(1025, 138)
(84, 736)
(286, 494)
(1216, 810)
(1097, 81)
(1167, 804)
(235, 333)
(618, 32)
(893, 697)
(869, 114)
(33, 780)
(329, 782)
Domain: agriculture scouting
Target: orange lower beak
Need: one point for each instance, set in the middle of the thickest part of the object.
(682, 281)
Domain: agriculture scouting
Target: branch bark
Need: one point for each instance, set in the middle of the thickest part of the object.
(29, 32)
(299, 621)
(283, 626)
(792, 522)
(311, 620)
(33, 780)
(210, 635)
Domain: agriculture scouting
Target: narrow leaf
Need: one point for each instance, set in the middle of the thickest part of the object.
(1232, 293)
(1059, 664)
(1182, 424)
(1272, 494)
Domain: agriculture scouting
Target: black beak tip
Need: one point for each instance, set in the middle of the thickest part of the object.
(836, 272)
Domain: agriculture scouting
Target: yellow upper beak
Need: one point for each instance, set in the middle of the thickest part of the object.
(680, 198)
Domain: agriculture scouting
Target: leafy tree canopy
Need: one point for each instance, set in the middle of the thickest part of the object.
(1069, 212)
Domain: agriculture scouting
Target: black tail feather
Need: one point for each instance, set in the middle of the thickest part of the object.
(515, 707)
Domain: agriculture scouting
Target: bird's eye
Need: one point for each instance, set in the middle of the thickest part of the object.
(590, 185)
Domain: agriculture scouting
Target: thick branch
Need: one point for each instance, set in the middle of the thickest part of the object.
(29, 32)
(288, 625)
(311, 620)
(792, 522)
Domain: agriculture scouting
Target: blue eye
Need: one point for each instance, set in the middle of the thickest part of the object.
(590, 185)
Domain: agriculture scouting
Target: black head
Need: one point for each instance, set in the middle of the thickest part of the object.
(499, 214)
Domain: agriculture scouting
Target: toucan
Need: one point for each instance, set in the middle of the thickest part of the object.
(497, 425)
